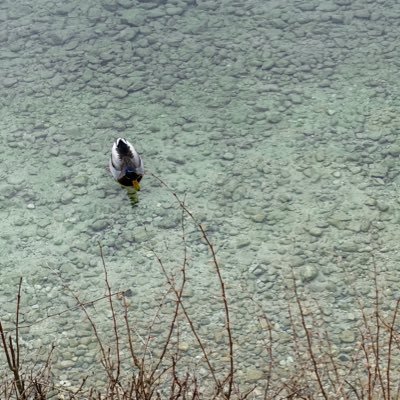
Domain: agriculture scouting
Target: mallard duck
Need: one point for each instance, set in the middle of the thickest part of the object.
(126, 165)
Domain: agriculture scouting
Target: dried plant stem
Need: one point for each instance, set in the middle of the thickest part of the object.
(117, 364)
(310, 347)
(12, 351)
(190, 322)
(178, 294)
(230, 376)
(377, 335)
(105, 354)
(390, 327)
(140, 387)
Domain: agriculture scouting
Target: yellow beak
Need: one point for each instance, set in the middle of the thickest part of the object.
(136, 185)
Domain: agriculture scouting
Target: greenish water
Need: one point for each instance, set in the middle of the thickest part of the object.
(277, 122)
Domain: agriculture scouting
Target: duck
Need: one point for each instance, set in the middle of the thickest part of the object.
(126, 165)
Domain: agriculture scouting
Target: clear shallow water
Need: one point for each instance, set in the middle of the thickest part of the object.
(277, 121)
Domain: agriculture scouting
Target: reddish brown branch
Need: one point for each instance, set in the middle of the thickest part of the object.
(230, 376)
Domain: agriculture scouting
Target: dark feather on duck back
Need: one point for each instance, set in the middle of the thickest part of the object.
(123, 149)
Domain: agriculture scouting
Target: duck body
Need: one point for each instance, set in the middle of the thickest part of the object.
(126, 165)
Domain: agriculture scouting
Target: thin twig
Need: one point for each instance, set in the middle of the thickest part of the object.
(309, 343)
(12, 352)
(230, 376)
(114, 318)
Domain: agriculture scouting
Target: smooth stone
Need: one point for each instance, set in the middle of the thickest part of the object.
(54, 151)
(348, 247)
(183, 346)
(308, 273)
(118, 93)
(375, 135)
(394, 150)
(253, 375)
(176, 159)
(140, 235)
(67, 197)
(7, 190)
(80, 180)
(382, 206)
(378, 171)
(314, 231)
(228, 156)
(295, 98)
(79, 191)
(8, 82)
(259, 217)
(133, 17)
(171, 10)
(274, 118)
(239, 117)
(67, 364)
(259, 270)
(268, 64)
(347, 336)
(240, 243)
(15, 180)
(262, 106)
(308, 6)
(100, 225)
(320, 156)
